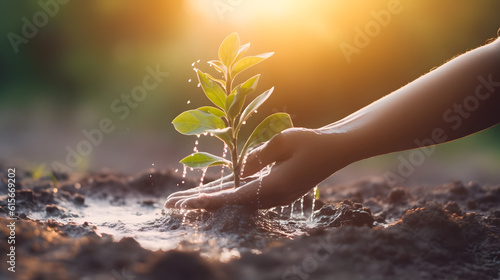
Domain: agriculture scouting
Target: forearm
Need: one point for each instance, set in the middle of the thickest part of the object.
(457, 99)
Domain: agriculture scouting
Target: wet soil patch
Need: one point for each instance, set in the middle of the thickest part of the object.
(109, 225)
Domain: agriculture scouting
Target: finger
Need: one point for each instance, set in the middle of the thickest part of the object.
(212, 186)
(219, 181)
(174, 198)
(201, 201)
(269, 152)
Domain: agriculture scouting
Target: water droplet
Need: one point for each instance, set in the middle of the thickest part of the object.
(198, 135)
(192, 64)
(205, 133)
(198, 61)
(55, 190)
(176, 170)
(211, 134)
(150, 175)
(195, 148)
(244, 122)
(189, 101)
(203, 173)
(199, 85)
(255, 111)
(184, 172)
(152, 164)
(189, 80)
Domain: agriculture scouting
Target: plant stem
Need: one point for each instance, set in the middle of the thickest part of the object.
(236, 165)
(234, 128)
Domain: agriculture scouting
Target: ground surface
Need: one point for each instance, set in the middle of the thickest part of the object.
(112, 226)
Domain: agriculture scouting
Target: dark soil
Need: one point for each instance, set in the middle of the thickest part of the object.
(361, 230)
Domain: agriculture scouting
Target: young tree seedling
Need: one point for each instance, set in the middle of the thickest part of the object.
(226, 119)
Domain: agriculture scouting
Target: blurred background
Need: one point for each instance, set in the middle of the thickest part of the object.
(63, 64)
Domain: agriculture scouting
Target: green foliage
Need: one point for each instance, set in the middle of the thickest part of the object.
(225, 121)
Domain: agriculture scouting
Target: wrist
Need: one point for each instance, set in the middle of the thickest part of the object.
(340, 145)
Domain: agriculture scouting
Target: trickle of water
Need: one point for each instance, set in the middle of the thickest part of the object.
(244, 163)
(203, 173)
(195, 149)
(282, 208)
(261, 176)
(302, 206)
(184, 216)
(184, 171)
(313, 201)
(292, 206)
(224, 153)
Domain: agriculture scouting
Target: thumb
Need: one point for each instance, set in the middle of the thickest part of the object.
(274, 150)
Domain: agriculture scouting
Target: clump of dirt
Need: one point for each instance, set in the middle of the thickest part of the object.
(109, 225)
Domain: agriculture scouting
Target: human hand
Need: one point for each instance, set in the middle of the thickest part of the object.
(302, 158)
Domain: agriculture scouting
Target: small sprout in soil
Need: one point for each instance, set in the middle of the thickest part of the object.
(226, 119)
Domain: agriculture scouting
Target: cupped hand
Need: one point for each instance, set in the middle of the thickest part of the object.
(300, 159)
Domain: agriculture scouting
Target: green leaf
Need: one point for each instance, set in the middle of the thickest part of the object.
(196, 122)
(269, 127)
(230, 99)
(201, 160)
(218, 66)
(242, 51)
(228, 50)
(223, 134)
(209, 109)
(250, 85)
(248, 62)
(254, 105)
(237, 102)
(222, 83)
(213, 91)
